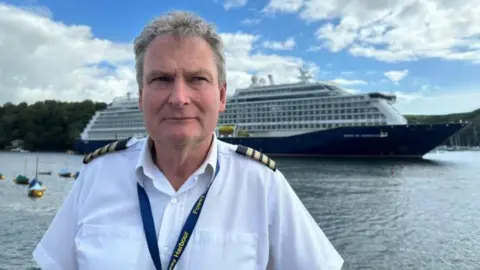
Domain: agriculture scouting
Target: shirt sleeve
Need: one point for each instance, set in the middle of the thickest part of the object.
(56, 249)
(296, 240)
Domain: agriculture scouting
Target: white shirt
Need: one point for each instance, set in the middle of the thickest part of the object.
(251, 219)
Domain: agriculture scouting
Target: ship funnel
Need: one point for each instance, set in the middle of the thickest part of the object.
(254, 80)
(270, 78)
(262, 81)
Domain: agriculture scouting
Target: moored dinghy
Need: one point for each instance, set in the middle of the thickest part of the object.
(64, 173)
(42, 172)
(2, 177)
(36, 189)
(21, 180)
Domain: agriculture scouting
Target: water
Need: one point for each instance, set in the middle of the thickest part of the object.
(378, 214)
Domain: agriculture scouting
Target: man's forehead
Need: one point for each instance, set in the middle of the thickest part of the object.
(172, 69)
(190, 44)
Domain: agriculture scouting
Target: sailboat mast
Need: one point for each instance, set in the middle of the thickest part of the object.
(36, 168)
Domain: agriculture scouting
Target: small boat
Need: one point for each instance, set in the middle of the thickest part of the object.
(42, 172)
(64, 173)
(2, 177)
(36, 189)
(21, 180)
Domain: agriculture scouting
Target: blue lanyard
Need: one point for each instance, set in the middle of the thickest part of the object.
(187, 230)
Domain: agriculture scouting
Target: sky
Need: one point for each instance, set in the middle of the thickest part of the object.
(426, 52)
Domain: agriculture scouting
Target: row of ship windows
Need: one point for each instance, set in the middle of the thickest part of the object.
(268, 118)
(289, 110)
(249, 118)
(120, 115)
(138, 117)
(287, 90)
(106, 124)
(290, 107)
(325, 115)
(318, 103)
(109, 136)
(301, 113)
(286, 105)
(309, 126)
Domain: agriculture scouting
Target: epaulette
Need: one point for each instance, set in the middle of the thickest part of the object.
(256, 155)
(109, 148)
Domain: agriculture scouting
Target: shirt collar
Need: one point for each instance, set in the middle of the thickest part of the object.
(147, 167)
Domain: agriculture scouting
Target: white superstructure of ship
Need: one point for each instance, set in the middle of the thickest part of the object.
(266, 109)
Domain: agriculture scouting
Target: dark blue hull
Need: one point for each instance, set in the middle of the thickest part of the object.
(373, 141)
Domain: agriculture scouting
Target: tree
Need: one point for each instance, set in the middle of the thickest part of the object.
(45, 125)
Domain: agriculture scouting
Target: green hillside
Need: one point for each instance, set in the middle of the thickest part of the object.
(466, 137)
(45, 126)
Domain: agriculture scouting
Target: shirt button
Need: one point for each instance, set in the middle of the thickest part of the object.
(173, 201)
(165, 249)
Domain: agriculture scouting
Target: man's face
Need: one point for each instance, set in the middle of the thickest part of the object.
(181, 98)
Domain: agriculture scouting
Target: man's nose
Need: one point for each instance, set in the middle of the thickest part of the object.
(179, 93)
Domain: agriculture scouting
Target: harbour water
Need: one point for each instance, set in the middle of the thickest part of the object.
(390, 214)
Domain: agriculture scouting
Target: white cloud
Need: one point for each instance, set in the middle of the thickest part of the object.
(346, 82)
(336, 38)
(440, 103)
(396, 75)
(391, 31)
(43, 59)
(229, 4)
(250, 21)
(288, 44)
(315, 48)
(39, 10)
(403, 97)
(283, 6)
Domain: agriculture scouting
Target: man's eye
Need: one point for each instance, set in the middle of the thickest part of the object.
(200, 79)
(162, 79)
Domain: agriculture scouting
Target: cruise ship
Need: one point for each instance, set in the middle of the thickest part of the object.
(306, 118)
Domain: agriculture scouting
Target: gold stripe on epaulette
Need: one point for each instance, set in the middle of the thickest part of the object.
(104, 149)
(88, 157)
(256, 155)
(271, 164)
(96, 152)
(112, 146)
(249, 152)
(265, 159)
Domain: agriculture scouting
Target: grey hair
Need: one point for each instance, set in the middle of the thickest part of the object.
(179, 23)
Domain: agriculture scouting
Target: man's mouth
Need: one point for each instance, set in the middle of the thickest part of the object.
(179, 118)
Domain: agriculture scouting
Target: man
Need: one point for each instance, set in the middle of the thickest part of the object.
(182, 198)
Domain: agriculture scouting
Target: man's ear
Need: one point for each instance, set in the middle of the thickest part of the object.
(140, 98)
(223, 97)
